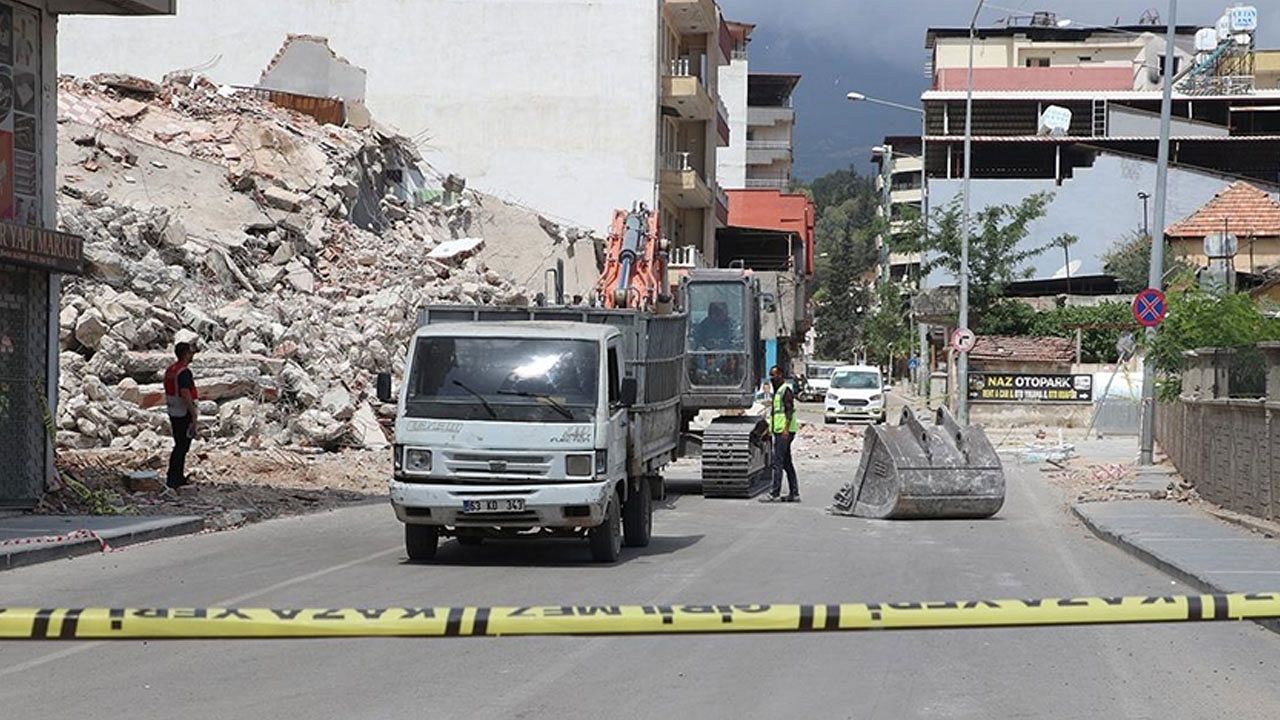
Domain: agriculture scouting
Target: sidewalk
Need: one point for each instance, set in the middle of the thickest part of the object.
(31, 539)
(1190, 544)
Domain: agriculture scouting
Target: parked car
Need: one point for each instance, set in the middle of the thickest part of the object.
(855, 392)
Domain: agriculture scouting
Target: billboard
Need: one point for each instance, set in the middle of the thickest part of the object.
(1034, 387)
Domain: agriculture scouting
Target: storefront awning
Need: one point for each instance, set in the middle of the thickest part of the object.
(113, 7)
(42, 249)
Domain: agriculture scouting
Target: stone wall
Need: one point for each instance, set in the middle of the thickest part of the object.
(1229, 449)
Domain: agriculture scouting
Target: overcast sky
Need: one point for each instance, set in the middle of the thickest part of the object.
(877, 47)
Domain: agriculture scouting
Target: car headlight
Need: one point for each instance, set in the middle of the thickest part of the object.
(578, 465)
(831, 397)
(417, 461)
(875, 398)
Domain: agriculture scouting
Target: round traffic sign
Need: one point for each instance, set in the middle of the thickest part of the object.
(913, 363)
(963, 340)
(1149, 307)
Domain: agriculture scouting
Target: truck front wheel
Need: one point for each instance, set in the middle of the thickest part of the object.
(637, 515)
(421, 541)
(606, 538)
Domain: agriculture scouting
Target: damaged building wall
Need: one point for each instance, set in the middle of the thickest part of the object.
(562, 118)
(306, 65)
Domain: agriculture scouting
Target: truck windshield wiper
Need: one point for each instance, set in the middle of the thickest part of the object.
(551, 402)
(492, 413)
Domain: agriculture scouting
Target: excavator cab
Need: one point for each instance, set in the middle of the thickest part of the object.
(724, 365)
(723, 349)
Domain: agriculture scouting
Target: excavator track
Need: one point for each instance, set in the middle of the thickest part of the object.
(735, 457)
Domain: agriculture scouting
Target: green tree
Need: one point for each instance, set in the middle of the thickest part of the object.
(888, 334)
(1199, 319)
(1103, 324)
(1129, 260)
(845, 232)
(997, 256)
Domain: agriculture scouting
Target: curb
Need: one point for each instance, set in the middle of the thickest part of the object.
(89, 546)
(1159, 563)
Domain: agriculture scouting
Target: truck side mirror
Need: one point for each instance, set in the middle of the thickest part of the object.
(384, 388)
(629, 391)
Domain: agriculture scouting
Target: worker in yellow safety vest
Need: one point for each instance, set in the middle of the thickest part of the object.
(783, 425)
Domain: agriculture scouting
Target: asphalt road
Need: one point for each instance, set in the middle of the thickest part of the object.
(705, 551)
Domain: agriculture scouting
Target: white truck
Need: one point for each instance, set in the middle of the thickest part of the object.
(516, 422)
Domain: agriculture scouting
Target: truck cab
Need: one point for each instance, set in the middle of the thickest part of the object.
(507, 429)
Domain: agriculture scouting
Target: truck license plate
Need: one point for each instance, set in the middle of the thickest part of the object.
(493, 505)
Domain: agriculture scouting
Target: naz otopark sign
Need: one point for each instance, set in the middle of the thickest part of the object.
(1016, 387)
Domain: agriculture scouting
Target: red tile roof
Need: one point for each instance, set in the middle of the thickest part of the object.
(1242, 209)
(1024, 349)
(1026, 79)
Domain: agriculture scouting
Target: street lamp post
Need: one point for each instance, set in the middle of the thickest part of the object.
(921, 366)
(1155, 273)
(962, 363)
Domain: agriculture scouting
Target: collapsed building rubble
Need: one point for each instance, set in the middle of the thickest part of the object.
(294, 254)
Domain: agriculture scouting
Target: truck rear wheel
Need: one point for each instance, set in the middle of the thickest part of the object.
(637, 515)
(421, 541)
(606, 538)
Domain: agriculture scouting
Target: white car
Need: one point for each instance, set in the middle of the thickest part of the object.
(856, 393)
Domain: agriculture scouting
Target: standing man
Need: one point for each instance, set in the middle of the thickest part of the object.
(783, 424)
(182, 401)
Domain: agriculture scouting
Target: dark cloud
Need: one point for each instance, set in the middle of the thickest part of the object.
(877, 47)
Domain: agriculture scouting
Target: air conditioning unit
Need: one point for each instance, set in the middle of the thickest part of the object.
(1055, 121)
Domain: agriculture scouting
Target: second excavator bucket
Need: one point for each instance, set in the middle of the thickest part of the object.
(918, 471)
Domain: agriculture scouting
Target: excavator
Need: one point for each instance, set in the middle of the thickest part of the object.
(723, 349)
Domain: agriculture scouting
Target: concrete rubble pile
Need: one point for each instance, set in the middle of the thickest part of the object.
(297, 268)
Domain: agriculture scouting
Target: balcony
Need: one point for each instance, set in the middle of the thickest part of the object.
(112, 7)
(762, 116)
(682, 182)
(906, 195)
(684, 94)
(767, 152)
(722, 124)
(692, 17)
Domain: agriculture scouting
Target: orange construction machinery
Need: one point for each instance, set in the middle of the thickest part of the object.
(635, 266)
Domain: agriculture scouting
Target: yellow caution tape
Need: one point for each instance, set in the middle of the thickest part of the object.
(176, 623)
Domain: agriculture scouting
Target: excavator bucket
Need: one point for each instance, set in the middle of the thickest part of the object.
(915, 471)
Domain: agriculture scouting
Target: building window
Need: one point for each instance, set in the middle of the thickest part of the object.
(1177, 62)
(1039, 62)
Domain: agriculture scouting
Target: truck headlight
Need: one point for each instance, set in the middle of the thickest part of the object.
(578, 465)
(602, 462)
(417, 461)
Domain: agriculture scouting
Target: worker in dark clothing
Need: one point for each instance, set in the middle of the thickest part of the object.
(182, 401)
(783, 424)
(715, 331)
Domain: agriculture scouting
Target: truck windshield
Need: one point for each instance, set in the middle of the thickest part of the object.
(819, 372)
(508, 379)
(851, 380)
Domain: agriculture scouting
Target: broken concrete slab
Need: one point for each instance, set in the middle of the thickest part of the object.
(459, 249)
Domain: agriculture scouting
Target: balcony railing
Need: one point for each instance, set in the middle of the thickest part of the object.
(678, 161)
(768, 144)
(685, 67)
(773, 183)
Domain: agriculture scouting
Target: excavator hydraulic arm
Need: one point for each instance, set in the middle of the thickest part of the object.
(635, 265)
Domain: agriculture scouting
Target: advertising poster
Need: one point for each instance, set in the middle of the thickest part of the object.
(1036, 387)
(19, 113)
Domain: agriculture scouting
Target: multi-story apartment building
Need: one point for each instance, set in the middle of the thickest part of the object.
(771, 121)
(571, 108)
(900, 183)
(1098, 162)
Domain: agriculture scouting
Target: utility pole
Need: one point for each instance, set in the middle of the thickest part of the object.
(886, 180)
(962, 363)
(1155, 274)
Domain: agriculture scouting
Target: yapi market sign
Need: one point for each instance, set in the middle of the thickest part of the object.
(38, 248)
(1038, 387)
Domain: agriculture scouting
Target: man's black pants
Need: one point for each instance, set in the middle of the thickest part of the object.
(782, 463)
(181, 445)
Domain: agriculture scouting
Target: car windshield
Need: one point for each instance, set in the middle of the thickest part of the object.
(855, 380)
(510, 379)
